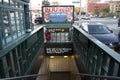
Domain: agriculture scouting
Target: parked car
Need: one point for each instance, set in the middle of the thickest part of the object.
(76, 18)
(39, 20)
(86, 17)
(103, 34)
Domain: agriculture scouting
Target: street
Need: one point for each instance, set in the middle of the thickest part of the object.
(109, 22)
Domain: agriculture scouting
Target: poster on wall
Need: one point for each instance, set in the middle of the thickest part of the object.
(58, 14)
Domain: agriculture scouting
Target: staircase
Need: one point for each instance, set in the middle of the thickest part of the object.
(59, 75)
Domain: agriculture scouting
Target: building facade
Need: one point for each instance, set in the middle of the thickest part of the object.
(93, 1)
(92, 8)
(114, 6)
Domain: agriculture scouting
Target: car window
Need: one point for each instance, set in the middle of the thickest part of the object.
(98, 29)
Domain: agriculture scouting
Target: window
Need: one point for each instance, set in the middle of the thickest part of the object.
(1, 34)
(98, 29)
(0, 1)
(18, 22)
(21, 16)
(12, 3)
(11, 21)
(13, 26)
(6, 23)
(6, 2)
(58, 35)
(21, 5)
(18, 5)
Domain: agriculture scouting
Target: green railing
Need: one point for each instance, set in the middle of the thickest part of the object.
(97, 58)
(74, 76)
(18, 57)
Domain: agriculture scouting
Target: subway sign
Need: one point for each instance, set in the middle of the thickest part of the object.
(58, 48)
(58, 29)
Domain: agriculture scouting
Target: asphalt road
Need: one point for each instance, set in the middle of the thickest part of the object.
(109, 22)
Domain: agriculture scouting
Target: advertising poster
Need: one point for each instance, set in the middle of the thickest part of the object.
(58, 14)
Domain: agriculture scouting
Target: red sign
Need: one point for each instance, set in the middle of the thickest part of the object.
(58, 13)
(58, 9)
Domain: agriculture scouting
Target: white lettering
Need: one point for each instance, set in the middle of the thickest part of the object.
(58, 9)
(58, 50)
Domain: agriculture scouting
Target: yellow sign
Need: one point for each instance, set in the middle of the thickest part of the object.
(62, 30)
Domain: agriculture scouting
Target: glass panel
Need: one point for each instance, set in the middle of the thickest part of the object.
(0, 1)
(12, 3)
(21, 16)
(1, 35)
(53, 37)
(6, 23)
(62, 37)
(13, 26)
(21, 5)
(17, 5)
(67, 38)
(57, 36)
(6, 2)
(0, 25)
(31, 25)
(18, 22)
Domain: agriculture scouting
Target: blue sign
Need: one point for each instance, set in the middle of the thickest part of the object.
(58, 17)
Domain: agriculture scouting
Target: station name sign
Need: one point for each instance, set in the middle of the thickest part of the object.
(58, 29)
(58, 49)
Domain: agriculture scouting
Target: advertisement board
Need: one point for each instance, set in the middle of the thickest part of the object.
(58, 14)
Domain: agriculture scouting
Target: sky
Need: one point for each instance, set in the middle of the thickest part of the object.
(35, 3)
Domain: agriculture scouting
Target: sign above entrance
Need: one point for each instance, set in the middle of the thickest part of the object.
(59, 49)
(58, 29)
(58, 14)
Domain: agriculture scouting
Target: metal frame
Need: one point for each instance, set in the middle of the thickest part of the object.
(97, 58)
(18, 58)
(9, 8)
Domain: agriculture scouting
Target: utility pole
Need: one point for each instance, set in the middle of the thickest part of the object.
(80, 9)
(79, 2)
(45, 3)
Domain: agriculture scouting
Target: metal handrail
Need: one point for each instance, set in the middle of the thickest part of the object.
(97, 76)
(26, 76)
(76, 74)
